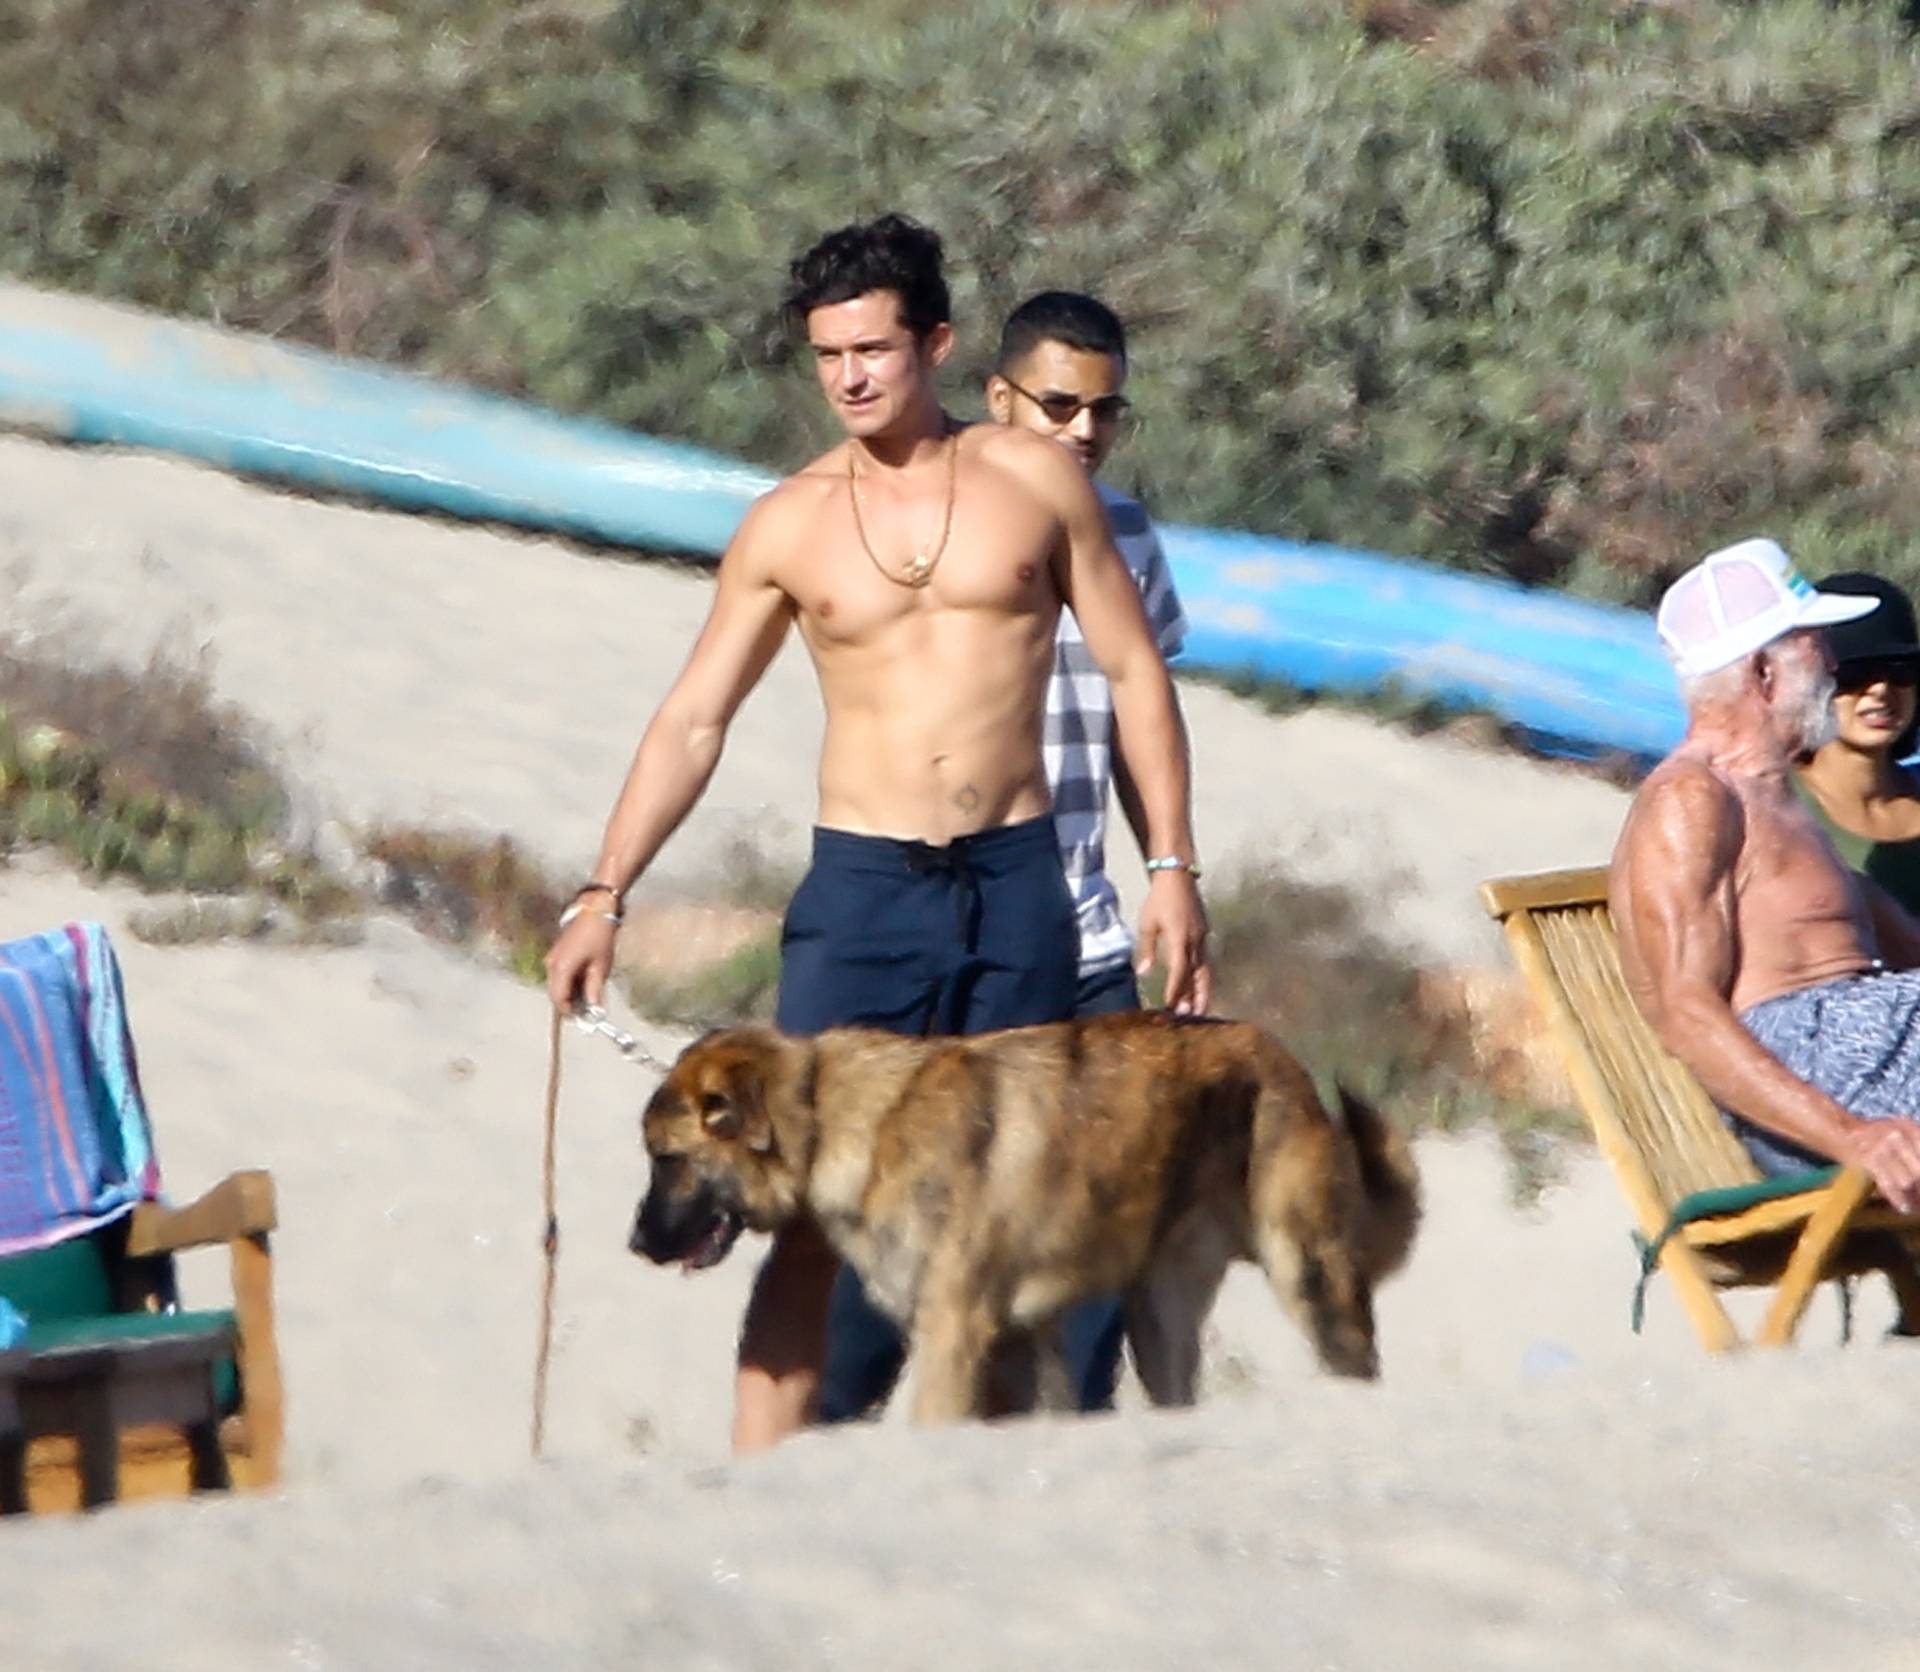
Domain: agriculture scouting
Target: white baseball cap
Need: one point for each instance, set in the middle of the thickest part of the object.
(1737, 600)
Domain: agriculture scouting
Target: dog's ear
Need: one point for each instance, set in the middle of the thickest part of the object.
(750, 1100)
(737, 1111)
(719, 1115)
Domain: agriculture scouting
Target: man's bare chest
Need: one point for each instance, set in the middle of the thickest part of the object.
(1789, 872)
(852, 578)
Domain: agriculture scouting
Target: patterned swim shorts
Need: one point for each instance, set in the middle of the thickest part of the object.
(1856, 1039)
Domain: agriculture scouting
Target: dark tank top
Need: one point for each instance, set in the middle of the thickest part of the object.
(1895, 866)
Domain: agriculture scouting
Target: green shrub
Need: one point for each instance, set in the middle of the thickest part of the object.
(1562, 289)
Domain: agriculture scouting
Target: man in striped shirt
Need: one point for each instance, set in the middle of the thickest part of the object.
(1062, 372)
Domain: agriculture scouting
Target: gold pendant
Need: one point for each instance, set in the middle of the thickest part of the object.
(919, 570)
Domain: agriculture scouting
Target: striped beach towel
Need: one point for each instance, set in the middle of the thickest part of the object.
(76, 1149)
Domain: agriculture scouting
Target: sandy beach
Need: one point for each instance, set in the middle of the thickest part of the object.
(1530, 1485)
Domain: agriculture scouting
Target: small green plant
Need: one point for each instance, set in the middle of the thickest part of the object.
(741, 986)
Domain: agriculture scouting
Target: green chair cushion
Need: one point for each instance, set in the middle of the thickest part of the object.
(68, 1280)
(66, 1295)
(107, 1329)
(1736, 1198)
(1710, 1204)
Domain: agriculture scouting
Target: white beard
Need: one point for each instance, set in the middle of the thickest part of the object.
(1809, 714)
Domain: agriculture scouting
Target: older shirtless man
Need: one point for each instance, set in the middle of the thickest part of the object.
(926, 565)
(1764, 963)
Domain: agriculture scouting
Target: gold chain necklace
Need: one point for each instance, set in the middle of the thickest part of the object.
(921, 565)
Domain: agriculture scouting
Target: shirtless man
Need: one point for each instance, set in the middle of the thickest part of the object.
(926, 565)
(1764, 963)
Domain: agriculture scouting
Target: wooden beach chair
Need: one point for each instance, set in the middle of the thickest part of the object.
(112, 1390)
(113, 1393)
(1707, 1218)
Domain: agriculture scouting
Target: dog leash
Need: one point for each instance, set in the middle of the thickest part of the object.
(590, 1019)
(549, 1241)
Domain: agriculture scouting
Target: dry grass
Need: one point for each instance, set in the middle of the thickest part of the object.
(198, 920)
(1437, 1051)
(157, 730)
(702, 960)
(479, 892)
(141, 773)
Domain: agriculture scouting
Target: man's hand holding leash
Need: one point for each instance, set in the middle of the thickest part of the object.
(581, 957)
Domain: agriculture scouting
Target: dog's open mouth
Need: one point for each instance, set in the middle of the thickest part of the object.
(717, 1244)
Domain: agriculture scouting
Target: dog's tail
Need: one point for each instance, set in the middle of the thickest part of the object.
(1390, 1185)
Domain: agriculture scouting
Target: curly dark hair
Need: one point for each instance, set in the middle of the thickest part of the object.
(889, 253)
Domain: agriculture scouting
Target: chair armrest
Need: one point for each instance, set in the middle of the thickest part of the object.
(240, 1205)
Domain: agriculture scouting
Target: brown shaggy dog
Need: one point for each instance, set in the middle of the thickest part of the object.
(981, 1185)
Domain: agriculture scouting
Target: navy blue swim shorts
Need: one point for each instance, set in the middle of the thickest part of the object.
(921, 939)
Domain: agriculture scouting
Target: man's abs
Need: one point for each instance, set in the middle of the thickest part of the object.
(948, 751)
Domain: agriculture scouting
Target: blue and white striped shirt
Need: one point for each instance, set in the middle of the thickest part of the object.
(1077, 741)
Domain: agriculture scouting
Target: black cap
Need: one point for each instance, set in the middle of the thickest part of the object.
(1883, 635)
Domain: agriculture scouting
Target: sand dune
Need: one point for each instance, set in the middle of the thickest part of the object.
(1531, 1485)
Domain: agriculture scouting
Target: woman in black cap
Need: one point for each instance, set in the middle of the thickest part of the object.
(1869, 802)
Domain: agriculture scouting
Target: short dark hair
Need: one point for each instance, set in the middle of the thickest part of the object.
(889, 253)
(1061, 316)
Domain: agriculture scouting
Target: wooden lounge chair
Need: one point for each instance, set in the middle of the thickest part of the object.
(112, 1392)
(1707, 1217)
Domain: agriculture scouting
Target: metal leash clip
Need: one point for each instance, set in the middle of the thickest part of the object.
(592, 1019)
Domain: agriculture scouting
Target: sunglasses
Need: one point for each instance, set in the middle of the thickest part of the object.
(1062, 409)
(1873, 670)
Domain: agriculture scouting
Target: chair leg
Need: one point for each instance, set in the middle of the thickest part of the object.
(1698, 1297)
(208, 1458)
(209, 1461)
(263, 1406)
(13, 1474)
(1903, 1275)
(1827, 1224)
(98, 1435)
